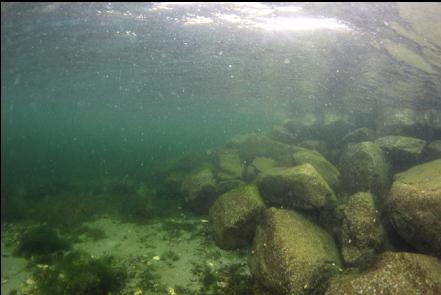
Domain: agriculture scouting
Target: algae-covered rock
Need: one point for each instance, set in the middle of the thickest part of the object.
(229, 164)
(422, 123)
(363, 168)
(414, 206)
(433, 150)
(302, 127)
(235, 215)
(199, 189)
(333, 127)
(316, 145)
(404, 54)
(401, 149)
(251, 146)
(290, 254)
(323, 166)
(296, 187)
(359, 135)
(361, 234)
(226, 185)
(282, 134)
(263, 164)
(394, 273)
(173, 182)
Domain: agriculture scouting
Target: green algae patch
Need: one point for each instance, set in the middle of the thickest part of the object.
(41, 240)
(80, 274)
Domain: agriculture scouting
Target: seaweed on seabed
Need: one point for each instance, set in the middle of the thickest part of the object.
(228, 280)
(40, 242)
(80, 274)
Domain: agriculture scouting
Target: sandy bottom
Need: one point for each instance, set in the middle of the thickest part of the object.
(171, 248)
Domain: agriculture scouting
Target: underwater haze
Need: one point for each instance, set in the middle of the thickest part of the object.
(221, 148)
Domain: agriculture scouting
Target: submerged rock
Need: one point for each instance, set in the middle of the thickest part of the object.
(282, 134)
(291, 255)
(323, 166)
(229, 164)
(363, 168)
(302, 127)
(296, 187)
(263, 164)
(235, 215)
(394, 273)
(199, 189)
(414, 206)
(316, 145)
(227, 185)
(410, 122)
(359, 135)
(361, 234)
(333, 127)
(401, 150)
(251, 146)
(433, 150)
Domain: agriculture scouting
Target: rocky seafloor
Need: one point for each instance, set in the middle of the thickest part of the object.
(313, 207)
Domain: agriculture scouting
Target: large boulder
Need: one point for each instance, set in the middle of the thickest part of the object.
(363, 167)
(199, 189)
(229, 164)
(414, 206)
(296, 187)
(292, 255)
(361, 233)
(234, 216)
(402, 150)
(394, 273)
(424, 123)
(323, 166)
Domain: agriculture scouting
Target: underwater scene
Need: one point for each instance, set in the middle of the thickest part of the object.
(237, 148)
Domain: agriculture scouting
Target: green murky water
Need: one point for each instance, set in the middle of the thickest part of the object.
(125, 117)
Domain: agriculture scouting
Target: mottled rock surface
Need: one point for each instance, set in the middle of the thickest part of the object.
(234, 216)
(251, 146)
(199, 189)
(433, 150)
(229, 164)
(296, 187)
(414, 206)
(292, 255)
(359, 135)
(363, 167)
(361, 233)
(401, 150)
(323, 166)
(394, 273)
